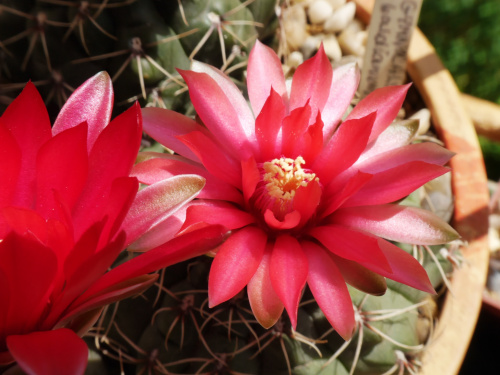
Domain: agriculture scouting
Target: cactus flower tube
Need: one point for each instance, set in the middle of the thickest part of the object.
(305, 196)
(68, 206)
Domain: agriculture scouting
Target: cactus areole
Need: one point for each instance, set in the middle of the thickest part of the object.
(306, 197)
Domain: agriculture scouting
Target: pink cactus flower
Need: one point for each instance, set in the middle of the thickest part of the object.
(305, 196)
(68, 206)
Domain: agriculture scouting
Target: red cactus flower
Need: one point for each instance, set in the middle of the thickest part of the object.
(306, 197)
(67, 208)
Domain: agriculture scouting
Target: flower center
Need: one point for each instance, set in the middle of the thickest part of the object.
(284, 176)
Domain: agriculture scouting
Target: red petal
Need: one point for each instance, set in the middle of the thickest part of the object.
(312, 81)
(30, 269)
(291, 220)
(306, 200)
(165, 126)
(217, 113)
(124, 133)
(265, 303)
(392, 222)
(288, 271)
(10, 165)
(163, 166)
(235, 263)
(263, 74)
(396, 183)
(405, 268)
(329, 290)
(4, 308)
(293, 129)
(218, 163)
(360, 277)
(155, 203)
(351, 244)
(62, 165)
(250, 177)
(58, 352)
(312, 141)
(91, 102)
(217, 212)
(386, 101)
(345, 80)
(268, 124)
(28, 121)
(345, 147)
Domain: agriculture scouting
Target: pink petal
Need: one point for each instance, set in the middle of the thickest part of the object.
(233, 95)
(265, 303)
(329, 290)
(28, 121)
(398, 134)
(217, 212)
(123, 133)
(10, 165)
(360, 277)
(311, 82)
(263, 74)
(156, 202)
(392, 222)
(405, 268)
(30, 269)
(250, 177)
(91, 102)
(218, 163)
(290, 221)
(350, 188)
(235, 263)
(288, 270)
(386, 101)
(190, 245)
(347, 143)
(163, 166)
(218, 113)
(345, 80)
(293, 129)
(58, 352)
(393, 184)
(62, 166)
(351, 244)
(268, 124)
(165, 126)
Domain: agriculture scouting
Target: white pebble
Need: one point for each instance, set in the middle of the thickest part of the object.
(295, 59)
(332, 48)
(353, 39)
(339, 20)
(336, 4)
(311, 45)
(319, 11)
(294, 24)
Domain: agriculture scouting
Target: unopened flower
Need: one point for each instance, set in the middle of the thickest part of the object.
(67, 208)
(306, 197)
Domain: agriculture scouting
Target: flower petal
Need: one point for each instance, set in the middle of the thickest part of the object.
(265, 303)
(345, 147)
(217, 212)
(405, 268)
(288, 271)
(386, 101)
(329, 289)
(235, 263)
(163, 166)
(156, 202)
(294, 126)
(217, 113)
(311, 82)
(392, 221)
(10, 165)
(268, 124)
(91, 102)
(263, 74)
(165, 126)
(345, 80)
(291, 220)
(28, 121)
(351, 244)
(57, 352)
(393, 184)
(250, 177)
(220, 164)
(306, 200)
